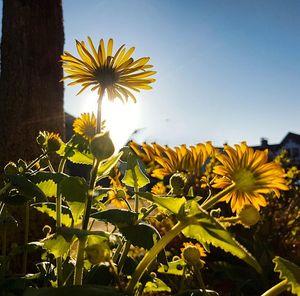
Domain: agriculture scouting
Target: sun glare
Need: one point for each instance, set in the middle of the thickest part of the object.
(120, 119)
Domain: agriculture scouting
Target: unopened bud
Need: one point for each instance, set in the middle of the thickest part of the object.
(249, 215)
(102, 146)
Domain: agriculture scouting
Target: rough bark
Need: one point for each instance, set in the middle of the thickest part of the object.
(31, 96)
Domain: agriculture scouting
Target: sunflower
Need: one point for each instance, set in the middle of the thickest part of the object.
(85, 125)
(50, 141)
(118, 74)
(159, 188)
(252, 175)
(118, 193)
(168, 161)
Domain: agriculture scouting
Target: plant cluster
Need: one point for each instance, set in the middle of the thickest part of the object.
(149, 219)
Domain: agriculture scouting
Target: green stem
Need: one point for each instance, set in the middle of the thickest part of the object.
(117, 252)
(277, 289)
(4, 188)
(58, 223)
(148, 212)
(35, 161)
(62, 164)
(210, 202)
(115, 274)
(232, 220)
(78, 274)
(200, 279)
(58, 226)
(136, 197)
(4, 234)
(154, 251)
(124, 254)
(26, 233)
(99, 111)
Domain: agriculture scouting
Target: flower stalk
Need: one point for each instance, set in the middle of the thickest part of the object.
(78, 274)
(154, 251)
(277, 289)
(209, 203)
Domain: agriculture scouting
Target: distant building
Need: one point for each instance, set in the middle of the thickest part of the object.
(290, 143)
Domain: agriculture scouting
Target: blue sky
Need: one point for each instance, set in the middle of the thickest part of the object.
(227, 70)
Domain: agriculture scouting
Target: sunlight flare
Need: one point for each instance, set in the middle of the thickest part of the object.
(120, 119)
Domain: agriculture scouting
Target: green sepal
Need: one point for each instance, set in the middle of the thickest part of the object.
(173, 204)
(134, 176)
(209, 230)
(119, 217)
(289, 271)
(49, 208)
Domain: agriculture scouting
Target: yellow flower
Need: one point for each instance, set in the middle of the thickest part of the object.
(190, 160)
(118, 192)
(192, 253)
(118, 74)
(252, 175)
(49, 141)
(159, 189)
(85, 125)
(147, 154)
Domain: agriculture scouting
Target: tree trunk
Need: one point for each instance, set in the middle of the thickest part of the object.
(31, 96)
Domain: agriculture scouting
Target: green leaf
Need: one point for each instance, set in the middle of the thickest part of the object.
(47, 182)
(74, 190)
(156, 286)
(97, 249)
(74, 291)
(173, 267)
(106, 167)
(57, 245)
(173, 204)
(134, 176)
(49, 208)
(26, 187)
(145, 236)
(99, 274)
(289, 271)
(76, 151)
(118, 217)
(209, 230)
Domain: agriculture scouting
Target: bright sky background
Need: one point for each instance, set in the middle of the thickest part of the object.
(227, 70)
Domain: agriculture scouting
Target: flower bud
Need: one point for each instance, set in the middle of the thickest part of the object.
(102, 146)
(249, 215)
(11, 169)
(177, 182)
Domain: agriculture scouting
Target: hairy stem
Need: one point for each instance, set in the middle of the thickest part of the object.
(210, 202)
(78, 274)
(3, 253)
(200, 279)
(277, 289)
(26, 233)
(154, 251)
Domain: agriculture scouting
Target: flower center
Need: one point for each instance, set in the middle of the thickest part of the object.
(106, 76)
(244, 180)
